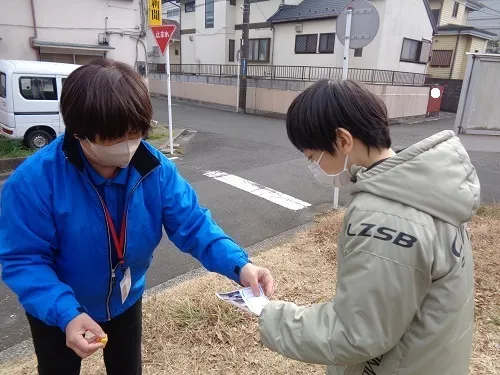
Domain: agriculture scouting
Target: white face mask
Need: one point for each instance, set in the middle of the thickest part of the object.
(340, 179)
(118, 155)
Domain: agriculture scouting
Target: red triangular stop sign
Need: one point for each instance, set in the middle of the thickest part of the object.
(162, 35)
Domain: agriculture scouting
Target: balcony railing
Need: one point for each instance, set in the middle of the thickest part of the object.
(296, 73)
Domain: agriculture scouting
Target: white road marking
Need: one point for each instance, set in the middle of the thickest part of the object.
(173, 158)
(259, 190)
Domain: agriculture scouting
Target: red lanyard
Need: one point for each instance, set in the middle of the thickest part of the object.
(119, 242)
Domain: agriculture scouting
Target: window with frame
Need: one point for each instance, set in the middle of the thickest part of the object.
(307, 43)
(231, 50)
(38, 88)
(411, 50)
(172, 13)
(209, 14)
(259, 49)
(456, 8)
(190, 7)
(358, 52)
(441, 58)
(3, 85)
(326, 43)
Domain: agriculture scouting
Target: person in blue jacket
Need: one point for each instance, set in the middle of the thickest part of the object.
(80, 220)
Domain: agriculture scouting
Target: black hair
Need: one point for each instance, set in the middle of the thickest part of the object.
(315, 115)
(106, 98)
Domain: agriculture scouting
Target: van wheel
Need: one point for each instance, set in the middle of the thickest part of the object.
(38, 139)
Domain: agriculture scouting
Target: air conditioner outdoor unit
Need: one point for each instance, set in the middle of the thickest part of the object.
(298, 28)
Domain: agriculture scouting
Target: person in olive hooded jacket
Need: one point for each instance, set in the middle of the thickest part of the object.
(404, 298)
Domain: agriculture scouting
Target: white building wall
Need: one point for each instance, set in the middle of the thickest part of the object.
(78, 21)
(211, 46)
(284, 45)
(402, 19)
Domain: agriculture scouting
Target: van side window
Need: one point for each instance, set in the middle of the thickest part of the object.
(3, 85)
(38, 88)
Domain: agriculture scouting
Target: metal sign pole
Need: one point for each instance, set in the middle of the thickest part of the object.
(358, 34)
(347, 44)
(238, 81)
(169, 92)
(345, 71)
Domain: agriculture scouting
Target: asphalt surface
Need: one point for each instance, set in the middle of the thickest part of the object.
(257, 149)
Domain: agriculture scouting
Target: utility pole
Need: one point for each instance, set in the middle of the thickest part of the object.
(244, 56)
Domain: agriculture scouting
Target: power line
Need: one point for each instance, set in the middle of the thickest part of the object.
(261, 12)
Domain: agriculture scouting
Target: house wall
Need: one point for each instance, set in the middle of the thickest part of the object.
(211, 46)
(461, 57)
(447, 12)
(402, 19)
(77, 22)
(398, 19)
(444, 42)
(284, 45)
(474, 44)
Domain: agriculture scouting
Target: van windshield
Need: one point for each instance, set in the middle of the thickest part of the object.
(3, 85)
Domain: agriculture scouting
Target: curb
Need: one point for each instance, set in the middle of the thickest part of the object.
(7, 166)
(10, 164)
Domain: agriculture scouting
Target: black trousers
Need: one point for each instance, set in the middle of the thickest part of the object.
(122, 355)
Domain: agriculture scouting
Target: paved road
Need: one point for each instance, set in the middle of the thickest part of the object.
(256, 149)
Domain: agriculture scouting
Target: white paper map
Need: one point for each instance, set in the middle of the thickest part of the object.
(245, 300)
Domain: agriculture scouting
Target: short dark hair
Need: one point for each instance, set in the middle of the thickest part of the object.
(106, 98)
(315, 115)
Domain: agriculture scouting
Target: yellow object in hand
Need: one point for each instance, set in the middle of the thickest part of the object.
(104, 341)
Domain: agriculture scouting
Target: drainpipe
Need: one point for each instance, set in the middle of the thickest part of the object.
(35, 29)
(455, 55)
(272, 50)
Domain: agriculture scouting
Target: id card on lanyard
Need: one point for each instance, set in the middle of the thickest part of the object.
(119, 242)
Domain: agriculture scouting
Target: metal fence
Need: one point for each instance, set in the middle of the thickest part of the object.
(297, 73)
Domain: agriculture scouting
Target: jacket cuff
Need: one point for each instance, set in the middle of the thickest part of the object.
(240, 263)
(269, 321)
(68, 315)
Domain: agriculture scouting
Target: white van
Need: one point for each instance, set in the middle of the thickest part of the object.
(29, 100)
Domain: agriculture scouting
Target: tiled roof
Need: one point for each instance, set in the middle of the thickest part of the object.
(309, 10)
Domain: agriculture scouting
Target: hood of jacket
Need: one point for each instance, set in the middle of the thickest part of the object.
(434, 176)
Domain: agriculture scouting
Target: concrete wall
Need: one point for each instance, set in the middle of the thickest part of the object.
(273, 97)
(78, 21)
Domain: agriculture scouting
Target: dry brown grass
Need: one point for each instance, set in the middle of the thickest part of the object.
(188, 331)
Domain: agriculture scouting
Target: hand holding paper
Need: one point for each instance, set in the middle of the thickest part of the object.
(246, 300)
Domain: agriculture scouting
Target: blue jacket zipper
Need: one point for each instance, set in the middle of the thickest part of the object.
(112, 278)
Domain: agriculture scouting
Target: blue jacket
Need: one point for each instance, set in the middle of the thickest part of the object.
(55, 245)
